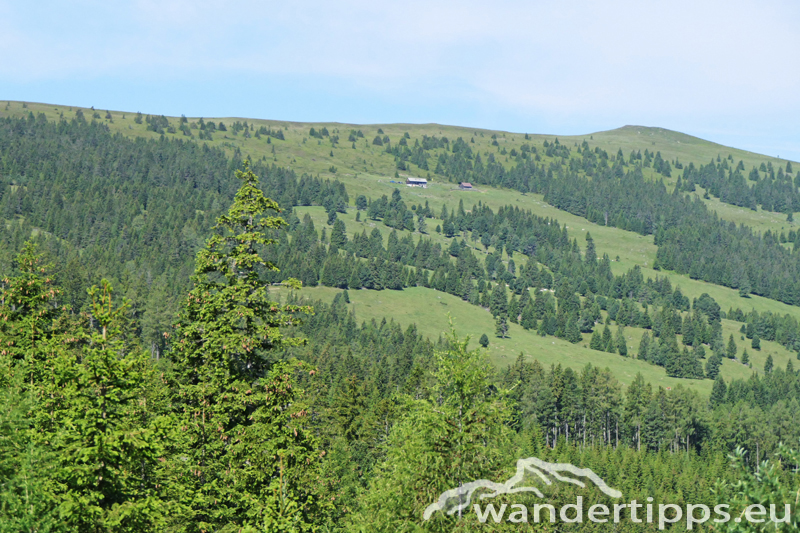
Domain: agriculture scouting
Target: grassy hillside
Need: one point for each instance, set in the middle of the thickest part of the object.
(430, 310)
(365, 168)
(671, 144)
(632, 249)
(361, 167)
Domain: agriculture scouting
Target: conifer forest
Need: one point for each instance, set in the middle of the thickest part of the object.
(194, 336)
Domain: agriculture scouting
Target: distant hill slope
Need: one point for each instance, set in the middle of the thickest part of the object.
(315, 157)
(672, 144)
(365, 167)
(367, 161)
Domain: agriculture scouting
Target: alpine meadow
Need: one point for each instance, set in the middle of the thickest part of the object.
(226, 324)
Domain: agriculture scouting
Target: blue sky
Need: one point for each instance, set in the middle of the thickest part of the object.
(727, 71)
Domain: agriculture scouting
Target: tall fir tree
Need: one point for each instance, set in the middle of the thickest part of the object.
(528, 320)
(622, 344)
(338, 235)
(608, 340)
(501, 326)
(591, 255)
(768, 365)
(718, 391)
(637, 399)
(513, 309)
(644, 346)
(499, 302)
(712, 366)
(731, 348)
(28, 309)
(597, 341)
(96, 422)
(573, 332)
(247, 446)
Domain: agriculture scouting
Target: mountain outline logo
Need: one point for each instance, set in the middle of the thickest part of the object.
(533, 465)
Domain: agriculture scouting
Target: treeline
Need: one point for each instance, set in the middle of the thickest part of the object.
(587, 407)
(590, 405)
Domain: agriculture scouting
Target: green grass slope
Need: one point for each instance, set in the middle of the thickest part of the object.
(306, 154)
(429, 309)
(432, 310)
(671, 144)
(632, 248)
(360, 168)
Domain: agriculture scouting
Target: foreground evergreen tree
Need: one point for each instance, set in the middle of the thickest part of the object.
(458, 435)
(767, 486)
(29, 307)
(91, 419)
(76, 454)
(246, 446)
(27, 499)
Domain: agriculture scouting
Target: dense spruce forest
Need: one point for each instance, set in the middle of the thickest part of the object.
(161, 371)
(132, 211)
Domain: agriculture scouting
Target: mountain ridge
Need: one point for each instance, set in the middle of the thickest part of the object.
(606, 136)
